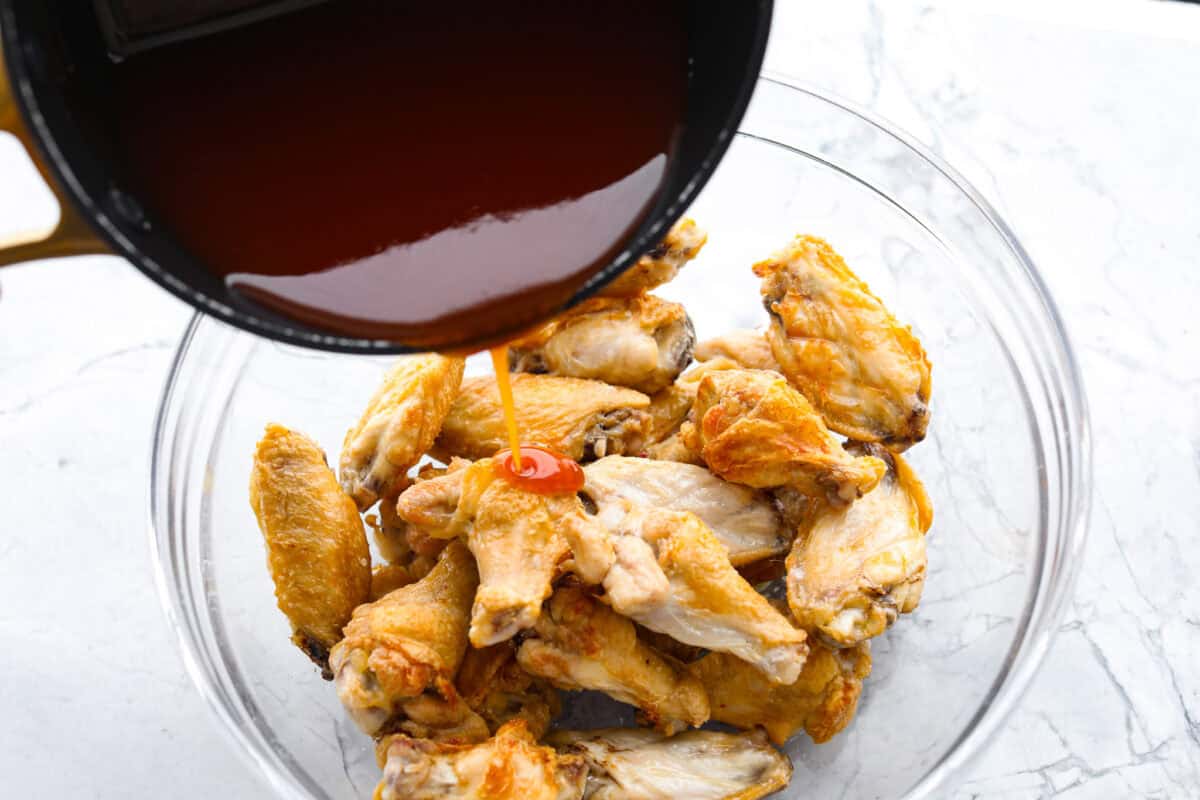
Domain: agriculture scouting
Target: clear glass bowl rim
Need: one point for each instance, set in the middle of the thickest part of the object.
(1063, 547)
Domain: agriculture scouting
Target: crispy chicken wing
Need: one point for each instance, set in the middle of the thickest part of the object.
(400, 423)
(670, 407)
(745, 520)
(822, 701)
(509, 766)
(579, 418)
(681, 244)
(748, 349)
(671, 574)
(579, 643)
(751, 427)
(641, 342)
(624, 764)
(853, 570)
(517, 537)
(492, 683)
(408, 642)
(316, 546)
(865, 372)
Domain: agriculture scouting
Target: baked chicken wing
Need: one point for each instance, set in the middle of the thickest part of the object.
(494, 685)
(681, 244)
(751, 427)
(582, 419)
(743, 519)
(853, 570)
(669, 409)
(400, 423)
(748, 349)
(579, 643)
(822, 701)
(865, 372)
(409, 642)
(316, 546)
(641, 342)
(671, 574)
(509, 766)
(624, 764)
(517, 537)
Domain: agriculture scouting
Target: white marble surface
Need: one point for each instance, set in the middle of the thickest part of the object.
(1079, 120)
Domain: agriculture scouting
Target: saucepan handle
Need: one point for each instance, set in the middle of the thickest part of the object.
(72, 236)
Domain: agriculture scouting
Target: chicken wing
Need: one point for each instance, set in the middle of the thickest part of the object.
(579, 643)
(400, 423)
(509, 766)
(641, 342)
(865, 372)
(317, 548)
(408, 642)
(681, 244)
(745, 520)
(751, 427)
(626, 763)
(822, 701)
(674, 577)
(492, 683)
(853, 570)
(517, 537)
(748, 349)
(579, 418)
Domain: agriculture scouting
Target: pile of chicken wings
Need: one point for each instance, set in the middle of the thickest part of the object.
(727, 560)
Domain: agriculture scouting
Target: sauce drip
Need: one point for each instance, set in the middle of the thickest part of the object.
(504, 384)
(543, 471)
(409, 171)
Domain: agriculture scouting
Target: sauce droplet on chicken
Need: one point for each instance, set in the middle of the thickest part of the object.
(542, 471)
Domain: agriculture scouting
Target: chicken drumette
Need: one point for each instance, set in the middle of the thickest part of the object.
(865, 372)
(624, 764)
(399, 424)
(509, 766)
(751, 427)
(406, 645)
(579, 643)
(853, 570)
(579, 418)
(640, 342)
(681, 244)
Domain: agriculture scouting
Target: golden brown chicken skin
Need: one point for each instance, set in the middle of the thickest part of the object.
(582, 419)
(399, 424)
(748, 349)
(628, 763)
(509, 766)
(519, 539)
(744, 519)
(853, 570)
(316, 546)
(495, 686)
(579, 643)
(751, 427)
(640, 342)
(681, 244)
(409, 642)
(836, 342)
(822, 701)
(668, 572)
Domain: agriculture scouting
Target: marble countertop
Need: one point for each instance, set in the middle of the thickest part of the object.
(1079, 120)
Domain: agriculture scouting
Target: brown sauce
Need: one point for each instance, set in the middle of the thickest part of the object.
(418, 172)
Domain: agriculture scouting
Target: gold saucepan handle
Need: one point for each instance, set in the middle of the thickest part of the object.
(71, 236)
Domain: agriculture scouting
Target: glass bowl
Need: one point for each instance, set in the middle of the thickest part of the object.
(1005, 462)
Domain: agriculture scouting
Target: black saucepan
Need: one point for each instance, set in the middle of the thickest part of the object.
(53, 99)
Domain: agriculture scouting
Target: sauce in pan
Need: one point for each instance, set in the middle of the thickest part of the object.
(419, 172)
